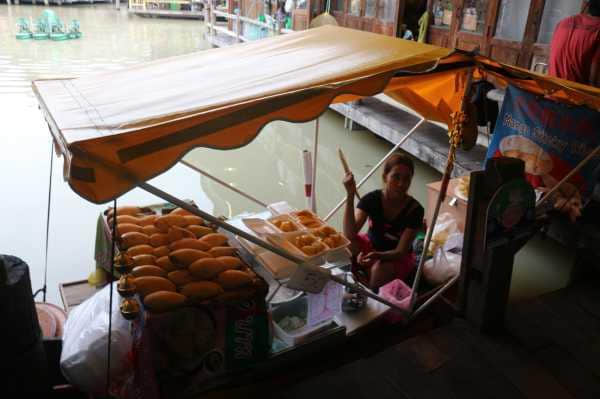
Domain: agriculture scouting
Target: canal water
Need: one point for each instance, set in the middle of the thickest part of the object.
(270, 168)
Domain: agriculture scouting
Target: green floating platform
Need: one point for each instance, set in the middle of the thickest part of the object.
(48, 26)
(23, 29)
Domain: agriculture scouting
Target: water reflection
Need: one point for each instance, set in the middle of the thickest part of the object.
(111, 40)
(269, 168)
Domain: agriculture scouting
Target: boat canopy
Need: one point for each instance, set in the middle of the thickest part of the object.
(120, 128)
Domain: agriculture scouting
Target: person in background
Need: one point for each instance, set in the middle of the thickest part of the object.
(385, 252)
(406, 33)
(575, 47)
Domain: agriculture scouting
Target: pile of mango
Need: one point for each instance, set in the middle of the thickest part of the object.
(178, 259)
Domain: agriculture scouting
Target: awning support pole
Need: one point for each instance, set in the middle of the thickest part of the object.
(435, 296)
(216, 179)
(442, 193)
(364, 179)
(313, 196)
(279, 251)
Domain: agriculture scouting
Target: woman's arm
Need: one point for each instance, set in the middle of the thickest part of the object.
(403, 248)
(353, 219)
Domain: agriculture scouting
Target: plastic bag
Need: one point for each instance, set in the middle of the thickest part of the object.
(398, 293)
(445, 234)
(84, 355)
(443, 266)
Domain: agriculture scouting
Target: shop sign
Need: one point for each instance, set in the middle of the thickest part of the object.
(551, 138)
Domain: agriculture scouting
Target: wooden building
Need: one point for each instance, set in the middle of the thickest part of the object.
(378, 16)
(516, 32)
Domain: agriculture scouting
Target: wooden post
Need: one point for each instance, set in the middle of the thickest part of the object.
(46, 2)
(486, 265)
(118, 4)
(213, 18)
(206, 19)
(238, 25)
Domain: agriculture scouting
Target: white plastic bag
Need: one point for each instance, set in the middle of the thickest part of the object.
(446, 234)
(84, 354)
(443, 266)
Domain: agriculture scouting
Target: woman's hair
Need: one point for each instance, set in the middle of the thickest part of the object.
(398, 158)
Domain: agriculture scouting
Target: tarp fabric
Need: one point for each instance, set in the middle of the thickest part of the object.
(119, 128)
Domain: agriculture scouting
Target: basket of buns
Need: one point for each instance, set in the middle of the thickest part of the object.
(177, 259)
(307, 236)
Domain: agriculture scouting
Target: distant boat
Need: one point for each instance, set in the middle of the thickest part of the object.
(74, 32)
(48, 26)
(24, 31)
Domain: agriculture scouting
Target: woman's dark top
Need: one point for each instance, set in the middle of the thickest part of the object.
(385, 234)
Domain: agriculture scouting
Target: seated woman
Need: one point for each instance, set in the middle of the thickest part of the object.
(384, 253)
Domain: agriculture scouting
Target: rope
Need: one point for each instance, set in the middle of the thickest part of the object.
(458, 118)
(44, 289)
(110, 306)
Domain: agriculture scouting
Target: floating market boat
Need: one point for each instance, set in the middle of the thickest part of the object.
(74, 32)
(42, 30)
(24, 31)
(48, 26)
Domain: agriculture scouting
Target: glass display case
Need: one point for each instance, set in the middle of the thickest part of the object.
(473, 16)
(512, 20)
(443, 10)
(516, 32)
(371, 8)
(389, 10)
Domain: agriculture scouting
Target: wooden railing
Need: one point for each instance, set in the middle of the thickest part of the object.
(149, 5)
(237, 22)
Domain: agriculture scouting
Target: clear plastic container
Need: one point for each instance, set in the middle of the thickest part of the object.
(307, 219)
(290, 242)
(277, 221)
(335, 252)
(294, 310)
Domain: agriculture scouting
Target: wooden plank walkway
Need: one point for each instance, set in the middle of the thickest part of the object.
(550, 349)
(163, 13)
(429, 143)
(220, 39)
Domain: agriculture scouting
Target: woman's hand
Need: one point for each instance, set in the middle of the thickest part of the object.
(370, 258)
(350, 184)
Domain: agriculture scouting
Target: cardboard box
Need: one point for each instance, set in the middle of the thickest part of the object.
(190, 350)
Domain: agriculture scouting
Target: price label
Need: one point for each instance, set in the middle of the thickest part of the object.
(309, 278)
(325, 305)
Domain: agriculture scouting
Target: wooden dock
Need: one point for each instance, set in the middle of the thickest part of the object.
(168, 14)
(429, 143)
(167, 8)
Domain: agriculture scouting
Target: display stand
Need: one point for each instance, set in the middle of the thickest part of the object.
(500, 221)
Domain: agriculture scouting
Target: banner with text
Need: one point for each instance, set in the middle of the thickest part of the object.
(551, 138)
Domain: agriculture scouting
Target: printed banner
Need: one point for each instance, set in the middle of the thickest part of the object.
(551, 139)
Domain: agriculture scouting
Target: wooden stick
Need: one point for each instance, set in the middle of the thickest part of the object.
(345, 166)
(568, 176)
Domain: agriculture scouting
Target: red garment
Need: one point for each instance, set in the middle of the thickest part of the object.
(403, 267)
(575, 48)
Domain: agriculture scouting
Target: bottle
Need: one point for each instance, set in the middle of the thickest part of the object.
(438, 13)
(417, 246)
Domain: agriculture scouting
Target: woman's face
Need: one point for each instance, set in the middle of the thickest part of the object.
(397, 180)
